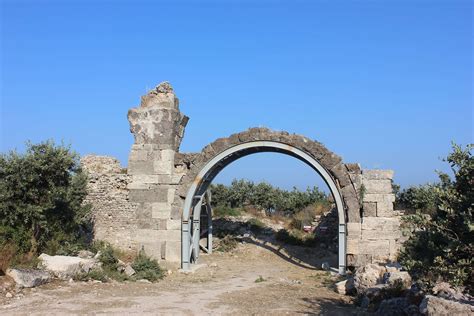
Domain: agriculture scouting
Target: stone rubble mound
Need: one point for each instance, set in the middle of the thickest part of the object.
(388, 290)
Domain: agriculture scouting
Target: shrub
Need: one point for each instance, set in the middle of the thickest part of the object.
(41, 195)
(144, 266)
(442, 243)
(256, 225)
(305, 217)
(98, 275)
(223, 211)
(147, 268)
(227, 244)
(8, 251)
(108, 258)
(422, 199)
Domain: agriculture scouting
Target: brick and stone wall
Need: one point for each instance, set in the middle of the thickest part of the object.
(141, 207)
(113, 214)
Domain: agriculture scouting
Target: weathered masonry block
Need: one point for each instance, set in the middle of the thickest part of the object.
(141, 207)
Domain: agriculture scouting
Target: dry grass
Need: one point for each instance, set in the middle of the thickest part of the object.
(7, 255)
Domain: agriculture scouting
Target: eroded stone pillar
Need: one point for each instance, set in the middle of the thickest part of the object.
(158, 128)
(378, 237)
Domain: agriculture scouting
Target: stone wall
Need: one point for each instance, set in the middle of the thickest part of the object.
(378, 237)
(141, 207)
(114, 216)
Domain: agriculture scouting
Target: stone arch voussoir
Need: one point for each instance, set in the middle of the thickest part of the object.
(330, 161)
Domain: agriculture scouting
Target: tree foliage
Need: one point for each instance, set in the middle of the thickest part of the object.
(264, 196)
(41, 197)
(422, 199)
(441, 245)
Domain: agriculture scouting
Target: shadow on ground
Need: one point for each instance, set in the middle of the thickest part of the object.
(332, 307)
(305, 256)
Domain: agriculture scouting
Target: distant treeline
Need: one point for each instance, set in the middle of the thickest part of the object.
(266, 197)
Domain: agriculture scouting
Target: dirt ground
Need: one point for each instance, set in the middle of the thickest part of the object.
(255, 279)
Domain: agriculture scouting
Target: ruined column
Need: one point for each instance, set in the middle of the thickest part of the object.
(378, 237)
(158, 128)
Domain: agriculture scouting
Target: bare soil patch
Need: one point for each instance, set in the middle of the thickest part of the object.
(225, 285)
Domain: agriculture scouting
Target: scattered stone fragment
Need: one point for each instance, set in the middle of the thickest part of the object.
(129, 271)
(65, 267)
(144, 281)
(392, 307)
(445, 290)
(121, 266)
(9, 295)
(368, 276)
(433, 305)
(29, 277)
(325, 266)
(345, 287)
(398, 277)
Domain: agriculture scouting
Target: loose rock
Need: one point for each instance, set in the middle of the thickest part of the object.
(392, 307)
(325, 266)
(397, 277)
(29, 277)
(144, 281)
(345, 287)
(445, 290)
(121, 266)
(433, 305)
(129, 271)
(368, 276)
(65, 267)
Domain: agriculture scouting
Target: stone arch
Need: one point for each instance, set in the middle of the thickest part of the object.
(146, 200)
(203, 167)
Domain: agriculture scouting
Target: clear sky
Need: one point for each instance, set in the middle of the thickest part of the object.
(387, 84)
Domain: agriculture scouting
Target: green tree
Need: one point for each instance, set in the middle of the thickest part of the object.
(423, 198)
(264, 196)
(41, 196)
(441, 246)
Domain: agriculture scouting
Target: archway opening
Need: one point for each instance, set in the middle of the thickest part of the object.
(196, 195)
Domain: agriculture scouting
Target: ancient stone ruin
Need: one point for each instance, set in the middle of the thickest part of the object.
(155, 203)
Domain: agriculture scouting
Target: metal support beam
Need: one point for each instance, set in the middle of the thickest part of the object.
(185, 246)
(196, 229)
(220, 161)
(342, 248)
(209, 229)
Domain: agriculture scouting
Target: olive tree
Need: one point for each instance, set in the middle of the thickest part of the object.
(41, 197)
(441, 246)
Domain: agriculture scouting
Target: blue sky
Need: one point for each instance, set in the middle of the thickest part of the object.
(387, 84)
